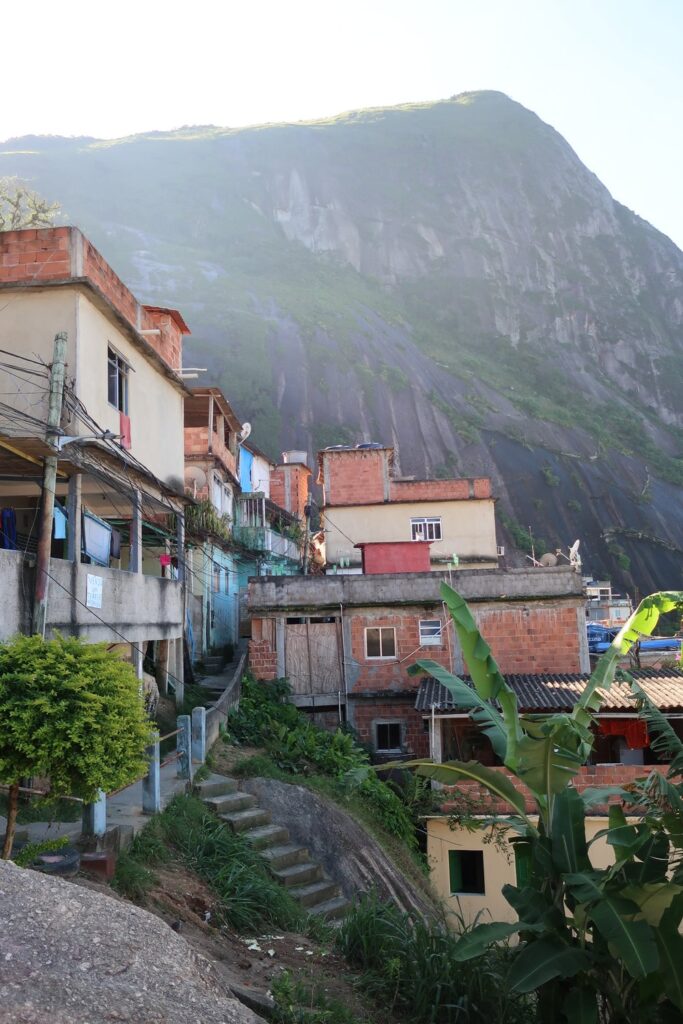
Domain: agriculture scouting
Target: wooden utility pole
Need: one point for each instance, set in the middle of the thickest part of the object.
(47, 504)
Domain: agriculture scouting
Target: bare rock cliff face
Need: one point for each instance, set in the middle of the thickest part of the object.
(448, 278)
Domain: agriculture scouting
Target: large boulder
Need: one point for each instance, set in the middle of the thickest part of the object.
(71, 955)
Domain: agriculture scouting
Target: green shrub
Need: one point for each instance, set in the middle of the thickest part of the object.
(297, 1003)
(131, 878)
(297, 747)
(411, 967)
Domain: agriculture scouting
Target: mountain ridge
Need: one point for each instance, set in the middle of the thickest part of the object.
(446, 277)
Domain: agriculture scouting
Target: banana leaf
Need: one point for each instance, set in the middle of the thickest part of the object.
(653, 898)
(477, 939)
(641, 623)
(568, 833)
(466, 698)
(486, 676)
(542, 960)
(580, 1006)
(450, 773)
(663, 740)
(549, 755)
(670, 945)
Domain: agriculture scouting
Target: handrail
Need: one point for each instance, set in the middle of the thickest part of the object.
(43, 792)
(168, 736)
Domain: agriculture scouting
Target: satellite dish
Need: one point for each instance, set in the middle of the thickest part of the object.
(245, 431)
(548, 559)
(195, 479)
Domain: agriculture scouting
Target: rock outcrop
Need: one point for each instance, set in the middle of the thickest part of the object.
(448, 278)
(70, 955)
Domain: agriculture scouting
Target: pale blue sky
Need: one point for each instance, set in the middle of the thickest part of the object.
(606, 73)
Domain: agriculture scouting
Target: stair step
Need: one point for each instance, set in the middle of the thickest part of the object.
(216, 785)
(314, 892)
(283, 856)
(331, 910)
(240, 821)
(230, 802)
(298, 874)
(266, 835)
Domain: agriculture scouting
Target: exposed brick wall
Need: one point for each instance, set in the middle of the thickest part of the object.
(355, 477)
(168, 344)
(35, 255)
(62, 254)
(439, 490)
(289, 487)
(597, 775)
(262, 656)
(531, 638)
(376, 674)
(367, 713)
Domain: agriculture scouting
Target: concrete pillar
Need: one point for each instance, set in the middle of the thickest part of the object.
(280, 646)
(178, 671)
(435, 739)
(184, 747)
(138, 657)
(73, 529)
(199, 735)
(151, 784)
(95, 816)
(161, 665)
(135, 557)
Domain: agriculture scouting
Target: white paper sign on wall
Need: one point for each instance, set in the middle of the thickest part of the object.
(93, 596)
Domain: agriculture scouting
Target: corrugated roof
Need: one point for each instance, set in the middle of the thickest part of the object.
(550, 693)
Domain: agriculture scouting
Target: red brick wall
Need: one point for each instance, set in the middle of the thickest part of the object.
(355, 477)
(168, 344)
(277, 486)
(531, 638)
(110, 284)
(289, 487)
(262, 654)
(439, 490)
(35, 255)
(366, 713)
(597, 775)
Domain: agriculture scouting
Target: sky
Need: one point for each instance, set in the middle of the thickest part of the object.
(607, 74)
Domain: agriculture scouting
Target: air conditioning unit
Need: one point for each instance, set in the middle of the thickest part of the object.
(500, 551)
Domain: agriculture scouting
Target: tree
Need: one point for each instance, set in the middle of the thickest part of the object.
(596, 945)
(21, 207)
(71, 711)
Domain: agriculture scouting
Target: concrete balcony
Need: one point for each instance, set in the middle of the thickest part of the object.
(88, 600)
(266, 541)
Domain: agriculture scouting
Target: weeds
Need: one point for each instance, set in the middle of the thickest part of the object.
(131, 878)
(249, 898)
(410, 967)
(296, 1003)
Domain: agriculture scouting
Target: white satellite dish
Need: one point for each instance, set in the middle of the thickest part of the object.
(245, 431)
(574, 556)
(548, 559)
(195, 479)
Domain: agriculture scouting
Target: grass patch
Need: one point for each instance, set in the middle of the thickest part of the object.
(299, 1003)
(410, 968)
(131, 878)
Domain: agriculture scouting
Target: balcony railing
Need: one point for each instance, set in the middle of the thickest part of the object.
(266, 541)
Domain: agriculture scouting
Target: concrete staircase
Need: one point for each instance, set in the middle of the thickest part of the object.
(288, 862)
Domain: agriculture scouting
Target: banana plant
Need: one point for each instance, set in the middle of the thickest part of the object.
(596, 945)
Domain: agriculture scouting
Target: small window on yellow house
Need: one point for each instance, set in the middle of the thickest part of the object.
(466, 871)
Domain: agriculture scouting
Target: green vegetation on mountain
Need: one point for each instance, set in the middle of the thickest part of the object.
(446, 277)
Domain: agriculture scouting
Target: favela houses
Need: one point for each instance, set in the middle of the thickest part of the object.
(340, 530)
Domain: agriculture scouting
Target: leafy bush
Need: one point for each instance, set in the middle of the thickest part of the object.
(414, 969)
(71, 711)
(296, 1003)
(296, 746)
(131, 878)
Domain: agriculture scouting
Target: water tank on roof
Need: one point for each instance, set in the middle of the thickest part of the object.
(295, 456)
(370, 444)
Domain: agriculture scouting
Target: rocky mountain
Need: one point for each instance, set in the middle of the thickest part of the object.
(448, 278)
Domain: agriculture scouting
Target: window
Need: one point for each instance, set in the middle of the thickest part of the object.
(426, 529)
(388, 737)
(380, 642)
(117, 381)
(430, 632)
(466, 871)
(216, 578)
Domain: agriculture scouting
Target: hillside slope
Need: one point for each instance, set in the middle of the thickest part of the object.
(448, 278)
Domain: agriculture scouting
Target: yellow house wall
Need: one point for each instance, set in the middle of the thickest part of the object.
(155, 405)
(491, 905)
(28, 324)
(468, 528)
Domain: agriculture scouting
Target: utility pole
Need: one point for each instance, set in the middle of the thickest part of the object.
(47, 504)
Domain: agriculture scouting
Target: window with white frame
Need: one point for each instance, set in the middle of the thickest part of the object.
(388, 737)
(430, 632)
(426, 528)
(380, 642)
(117, 381)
